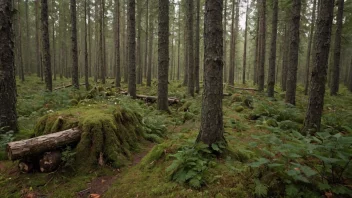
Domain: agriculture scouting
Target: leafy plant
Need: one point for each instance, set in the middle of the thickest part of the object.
(191, 163)
(68, 157)
(322, 161)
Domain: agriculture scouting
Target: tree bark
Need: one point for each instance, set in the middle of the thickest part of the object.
(117, 44)
(310, 48)
(335, 82)
(190, 48)
(8, 115)
(86, 63)
(232, 47)
(40, 144)
(293, 53)
(75, 80)
(179, 41)
(197, 42)
(245, 49)
(146, 40)
(138, 45)
(132, 48)
(150, 48)
(212, 129)
(46, 46)
(320, 63)
(163, 55)
(272, 59)
(37, 50)
(224, 37)
(20, 63)
(262, 45)
(285, 60)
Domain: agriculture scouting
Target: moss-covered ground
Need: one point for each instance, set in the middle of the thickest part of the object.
(248, 117)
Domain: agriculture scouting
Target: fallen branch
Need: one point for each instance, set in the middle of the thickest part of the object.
(152, 99)
(246, 89)
(40, 144)
(67, 86)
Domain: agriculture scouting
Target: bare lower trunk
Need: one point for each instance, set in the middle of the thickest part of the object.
(132, 48)
(163, 55)
(272, 60)
(8, 115)
(293, 53)
(335, 82)
(212, 129)
(320, 63)
(46, 46)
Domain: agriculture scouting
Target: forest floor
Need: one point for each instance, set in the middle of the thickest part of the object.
(266, 155)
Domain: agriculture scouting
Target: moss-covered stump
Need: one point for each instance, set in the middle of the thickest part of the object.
(109, 135)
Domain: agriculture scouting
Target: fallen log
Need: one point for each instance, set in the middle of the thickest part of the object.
(67, 86)
(245, 89)
(41, 144)
(25, 166)
(152, 99)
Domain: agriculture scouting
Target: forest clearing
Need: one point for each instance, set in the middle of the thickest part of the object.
(181, 98)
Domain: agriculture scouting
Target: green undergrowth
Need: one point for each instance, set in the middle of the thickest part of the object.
(266, 155)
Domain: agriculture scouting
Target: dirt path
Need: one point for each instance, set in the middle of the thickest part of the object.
(100, 185)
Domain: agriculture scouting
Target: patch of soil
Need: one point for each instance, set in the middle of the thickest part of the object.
(100, 185)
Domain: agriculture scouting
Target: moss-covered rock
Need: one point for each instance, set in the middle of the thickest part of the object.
(272, 123)
(239, 108)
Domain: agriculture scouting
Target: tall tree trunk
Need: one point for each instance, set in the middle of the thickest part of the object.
(350, 77)
(196, 57)
(132, 48)
(262, 45)
(320, 63)
(27, 54)
(90, 54)
(146, 40)
(186, 55)
(179, 41)
(272, 59)
(312, 24)
(190, 48)
(86, 63)
(335, 82)
(232, 47)
(117, 44)
(53, 37)
(293, 53)
(139, 47)
(163, 55)
(46, 46)
(19, 43)
(212, 128)
(37, 48)
(75, 80)
(224, 37)
(8, 115)
(102, 42)
(256, 55)
(245, 49)
(150, 48)
(285, 60)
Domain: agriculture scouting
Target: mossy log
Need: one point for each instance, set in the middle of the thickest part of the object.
(153, 99)
(40, 144)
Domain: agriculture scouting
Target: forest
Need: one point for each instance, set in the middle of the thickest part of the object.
(176, 98)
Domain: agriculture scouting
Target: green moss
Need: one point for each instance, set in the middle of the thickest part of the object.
(272, 123)
(239, 108)
(113, 132)
(236, 98)
(185, 106)
(156, 153)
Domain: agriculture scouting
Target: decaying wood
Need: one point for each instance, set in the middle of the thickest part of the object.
(50, 161)
(245, 89)
(40, 144)
(66, 86)
(153, 99)
(25, 166)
